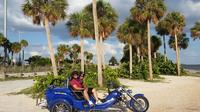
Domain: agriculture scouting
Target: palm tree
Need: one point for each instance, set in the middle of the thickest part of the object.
(156, 43)
(16, 48)
(113, 61)
(96, 32)
(129, 32)
(4, 42)
(183, 43)
(195, 30)
(75, 50)
(24, 44)
(146, 11)
(88, 57)
(10, 50)
(161, 29)
(2, 39)
(107, 22)
(175, 23)
(78, 26)
(63, 50)
(47, 12)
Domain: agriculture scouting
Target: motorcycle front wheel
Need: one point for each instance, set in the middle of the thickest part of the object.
(140, 105)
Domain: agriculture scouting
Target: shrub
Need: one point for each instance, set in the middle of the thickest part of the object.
(140, 71)
(91, 79)
(110, 76)
(42, 82)
(166, 68)
(123, 70)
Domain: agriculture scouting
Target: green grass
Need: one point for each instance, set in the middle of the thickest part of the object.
(15, 78)
(158, 79)
(26, 91)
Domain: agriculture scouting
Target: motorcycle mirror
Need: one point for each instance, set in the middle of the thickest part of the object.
(129, 91)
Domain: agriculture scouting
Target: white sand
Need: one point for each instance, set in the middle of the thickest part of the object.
(16, 103)
(175, 94)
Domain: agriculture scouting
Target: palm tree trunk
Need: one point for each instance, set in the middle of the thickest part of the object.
(22, 60)
(19, 58)
(12, 63)
(102, 52)
(165, 57)
(82, 55)
(58, 64)
(138, 53)
(100, 77)
(177, 56)
(22, 57)
(130, 59)
(5, 56)
(142, 58)
(48, 33)
(149, 51)
(155, 55)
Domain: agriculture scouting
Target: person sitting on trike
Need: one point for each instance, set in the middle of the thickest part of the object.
(77, 84)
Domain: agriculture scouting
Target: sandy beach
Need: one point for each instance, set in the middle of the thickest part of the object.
(174, 94)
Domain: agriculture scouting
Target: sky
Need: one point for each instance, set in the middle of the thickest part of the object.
(21, 27)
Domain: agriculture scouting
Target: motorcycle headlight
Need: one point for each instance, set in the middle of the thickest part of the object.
(120, 89)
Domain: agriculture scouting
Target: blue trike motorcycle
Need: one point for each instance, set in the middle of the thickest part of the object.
(65, 99)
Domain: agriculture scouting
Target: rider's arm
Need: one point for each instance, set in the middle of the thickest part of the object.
(77, 88)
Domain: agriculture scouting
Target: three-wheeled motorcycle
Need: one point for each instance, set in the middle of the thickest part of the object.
(65, 99)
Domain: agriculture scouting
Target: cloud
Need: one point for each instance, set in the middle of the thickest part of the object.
(34, 53)
(71, 42)
(189, 8)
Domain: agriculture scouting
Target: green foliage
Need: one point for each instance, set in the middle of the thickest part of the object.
(113, 61)
(90, 68)
(111, 75)
(124, 70)
(140, 71)
(183, 42)
(42, 82)
(91, 79)
(195, 31)
(39, 61)
(165, 68)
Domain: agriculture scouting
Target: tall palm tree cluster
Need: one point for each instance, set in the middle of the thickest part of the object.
(81, 25)
(135, 31)
(12, 48)
(65, 51)
(98, 20)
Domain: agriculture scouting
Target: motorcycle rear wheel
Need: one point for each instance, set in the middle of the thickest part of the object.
(61, 107)
(142, 106)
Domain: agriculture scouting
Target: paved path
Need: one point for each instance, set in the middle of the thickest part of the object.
(16, 103)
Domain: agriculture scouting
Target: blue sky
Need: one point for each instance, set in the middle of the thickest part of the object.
(36, 36)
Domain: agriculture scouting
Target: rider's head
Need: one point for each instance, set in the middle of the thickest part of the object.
(74, 75)
(81, 76)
